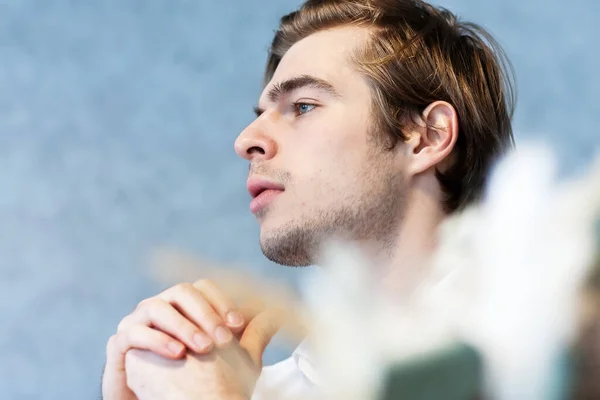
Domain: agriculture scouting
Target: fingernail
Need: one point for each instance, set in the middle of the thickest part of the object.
(175, 347)
(234, 318)
(204, 343)
(223, 335)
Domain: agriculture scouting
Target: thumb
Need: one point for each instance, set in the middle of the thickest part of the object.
(259, 332)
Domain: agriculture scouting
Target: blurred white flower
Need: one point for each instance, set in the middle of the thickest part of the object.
(505, 279)
(515, 268)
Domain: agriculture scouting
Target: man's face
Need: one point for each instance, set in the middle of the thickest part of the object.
(313, 145)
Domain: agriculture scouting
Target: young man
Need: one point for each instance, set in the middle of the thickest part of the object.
(378, 118)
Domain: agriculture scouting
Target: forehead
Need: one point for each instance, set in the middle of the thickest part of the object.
(325, 55)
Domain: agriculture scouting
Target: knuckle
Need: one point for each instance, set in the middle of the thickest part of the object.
(205, 284)
(152, 302)
(124, 324)
(153, 310)
(118, 342)
(111, 345)
(144, 304)
(184, 288)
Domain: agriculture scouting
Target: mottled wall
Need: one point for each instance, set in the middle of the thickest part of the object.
(117, 120)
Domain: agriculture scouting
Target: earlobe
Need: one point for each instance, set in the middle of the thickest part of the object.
(436, 137)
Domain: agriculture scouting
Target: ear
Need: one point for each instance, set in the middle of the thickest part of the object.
(432, 138)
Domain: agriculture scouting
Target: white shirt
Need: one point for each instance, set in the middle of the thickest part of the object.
(291, 379)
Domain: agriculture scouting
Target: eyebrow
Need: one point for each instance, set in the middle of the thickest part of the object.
(289, 85)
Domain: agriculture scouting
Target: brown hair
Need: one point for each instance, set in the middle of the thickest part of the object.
(418, 54)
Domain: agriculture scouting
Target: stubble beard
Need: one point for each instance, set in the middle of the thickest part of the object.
(371, 214)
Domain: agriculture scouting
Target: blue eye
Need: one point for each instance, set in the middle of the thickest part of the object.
(303, 108)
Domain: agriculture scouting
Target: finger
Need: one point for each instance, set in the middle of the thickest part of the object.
(258, 334)
(114, 379)
(159, 314)
(143, 338)
(222, 304)
(193, 305)
(114, 382)
(243, 288)
(246, 371)
(249, 312)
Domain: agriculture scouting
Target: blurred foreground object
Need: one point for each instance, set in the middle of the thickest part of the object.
(506, 282)
(508, 308)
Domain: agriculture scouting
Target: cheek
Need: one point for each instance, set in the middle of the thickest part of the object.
(328, 182)
(325, 163)
(316, 184)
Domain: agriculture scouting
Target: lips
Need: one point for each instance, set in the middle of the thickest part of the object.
(263, 192)
(256, 186)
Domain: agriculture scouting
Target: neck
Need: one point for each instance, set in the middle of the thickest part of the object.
(417, 237)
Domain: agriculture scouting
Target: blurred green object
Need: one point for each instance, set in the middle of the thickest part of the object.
(454, 373)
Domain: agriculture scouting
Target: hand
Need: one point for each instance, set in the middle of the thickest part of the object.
(228, 373)
(195, 316)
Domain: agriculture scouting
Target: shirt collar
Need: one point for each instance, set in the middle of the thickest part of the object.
(301, 357)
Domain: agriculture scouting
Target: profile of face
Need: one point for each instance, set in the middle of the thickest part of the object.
(316, 169)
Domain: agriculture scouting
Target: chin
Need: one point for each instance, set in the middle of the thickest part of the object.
(287, 248)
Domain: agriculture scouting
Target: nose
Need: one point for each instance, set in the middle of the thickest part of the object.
(254, 142)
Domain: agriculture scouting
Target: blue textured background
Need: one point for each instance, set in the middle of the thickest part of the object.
(117, 121)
